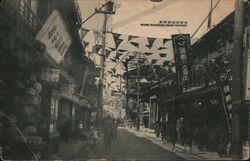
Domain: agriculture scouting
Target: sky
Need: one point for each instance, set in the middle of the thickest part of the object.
(131, 13)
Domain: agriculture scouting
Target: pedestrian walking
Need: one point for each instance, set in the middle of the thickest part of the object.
(107, 131)
(173, 135)
(115, 126)
(164, 131)
(179, 126)
(188, 136)
(223, 139)
(157, 129)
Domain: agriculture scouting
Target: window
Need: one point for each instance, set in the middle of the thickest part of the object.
(53, 114)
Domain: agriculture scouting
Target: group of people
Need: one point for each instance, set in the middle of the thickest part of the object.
(204, 137)
(108, 131)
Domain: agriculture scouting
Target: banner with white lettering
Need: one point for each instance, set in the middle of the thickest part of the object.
(181, 45)
(222, 75)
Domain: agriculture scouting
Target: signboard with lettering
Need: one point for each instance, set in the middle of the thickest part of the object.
(55, 36)
(181, 45)
(50, 74)
(222, 75)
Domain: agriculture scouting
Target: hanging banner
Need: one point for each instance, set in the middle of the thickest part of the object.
(135, 44)
(116, 36)
(55, 36)
(50, 74)
(151, 41)
(181, 45)
(165, 40)
(132, 37)
(107, 53)
(118, 42)
(222, 75)
(83, 33)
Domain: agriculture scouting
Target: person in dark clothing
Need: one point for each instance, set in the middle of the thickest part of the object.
(223, 138)
(188, 136)
(157, 129)
(107, 131)
(173, 135)
(164, 130)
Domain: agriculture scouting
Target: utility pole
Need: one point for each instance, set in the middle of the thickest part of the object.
(138, 93)
(236, 63)
(102, 61)
(108, 9)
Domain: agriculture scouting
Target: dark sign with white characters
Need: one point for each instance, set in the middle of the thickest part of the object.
(181, 45)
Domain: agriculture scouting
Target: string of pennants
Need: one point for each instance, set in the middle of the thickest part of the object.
(96, 45)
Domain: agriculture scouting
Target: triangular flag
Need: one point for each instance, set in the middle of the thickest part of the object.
(117, 57)
(165, 40)
(85, 44)
(98, 47)
(83, 32)
(151, 41)
(161, 48)
(96, 34)
(162, 55)
(113, 60)
(116, 36)
(118, 42)
(153, 61)
(122, 50)
(113, 70)
(147, 53)
(107, 53)
(113, 49)
(136, 44)
(132, 37)
(149, 46)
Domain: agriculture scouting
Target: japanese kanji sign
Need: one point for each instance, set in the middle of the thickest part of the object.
(55, 36)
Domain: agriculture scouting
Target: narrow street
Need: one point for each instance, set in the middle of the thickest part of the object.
(126, 146)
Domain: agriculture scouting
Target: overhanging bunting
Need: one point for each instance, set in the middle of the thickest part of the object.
(165, 40)
(113, 60)
(149, 46)
(113, 49)
(161, 48)
(148, 53)
(136, 44)
(132, 37)
(83, 33)
(96, 34)
(122, 50)
(118, 42)
(107, 53)
(116, 36)
(113, 70)
(153, 61)
(118, 54)
(85, 44)
(98, 47)
(150, 42)
(162, 55)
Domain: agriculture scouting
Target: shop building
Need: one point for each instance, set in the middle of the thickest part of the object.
(40, 89)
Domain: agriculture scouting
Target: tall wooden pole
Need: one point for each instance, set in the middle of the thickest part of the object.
(102, 60)
(138, 94)
(236, 63)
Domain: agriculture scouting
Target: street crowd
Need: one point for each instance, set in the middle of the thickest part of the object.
(215, 139)
(107, 133)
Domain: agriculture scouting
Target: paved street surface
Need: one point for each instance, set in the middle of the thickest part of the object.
(127, 146)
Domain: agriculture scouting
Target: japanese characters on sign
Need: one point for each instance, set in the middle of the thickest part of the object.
(223, 79)
(55, 36)
(50, 74)
(181, 44)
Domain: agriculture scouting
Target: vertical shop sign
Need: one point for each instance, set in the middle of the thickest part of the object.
(55, 36)
(181, 45)
(223, 79)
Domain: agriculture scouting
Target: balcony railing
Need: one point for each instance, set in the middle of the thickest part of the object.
(20, 13)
